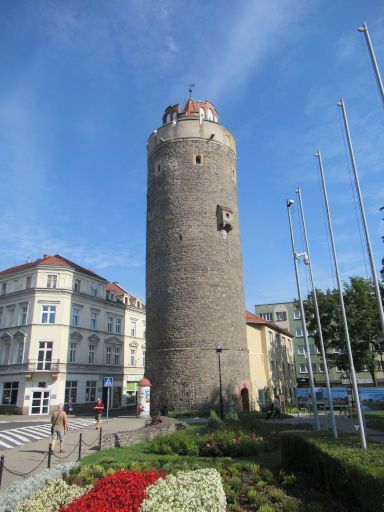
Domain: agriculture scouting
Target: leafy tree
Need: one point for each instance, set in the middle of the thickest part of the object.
(363, 322)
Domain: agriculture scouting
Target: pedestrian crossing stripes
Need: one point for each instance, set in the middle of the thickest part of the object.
(22, 435)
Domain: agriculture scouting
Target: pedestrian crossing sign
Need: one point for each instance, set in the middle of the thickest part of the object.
(108, 382)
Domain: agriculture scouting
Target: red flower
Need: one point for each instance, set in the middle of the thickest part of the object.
(124, 491)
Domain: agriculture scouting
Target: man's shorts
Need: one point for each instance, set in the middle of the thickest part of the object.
(59, 434)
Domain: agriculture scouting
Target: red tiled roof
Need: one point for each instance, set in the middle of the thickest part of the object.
(193, 106)
(250, 318)
(115, 288)
(56, 261)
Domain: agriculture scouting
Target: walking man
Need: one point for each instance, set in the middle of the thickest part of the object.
(59, 424)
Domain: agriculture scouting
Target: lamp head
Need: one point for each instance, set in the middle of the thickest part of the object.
(219, 349)
(290, 202)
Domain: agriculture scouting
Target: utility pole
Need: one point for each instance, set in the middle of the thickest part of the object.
(342, 306)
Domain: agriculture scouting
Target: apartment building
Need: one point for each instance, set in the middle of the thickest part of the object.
(288, 316)
(63, 328)
(271, 360)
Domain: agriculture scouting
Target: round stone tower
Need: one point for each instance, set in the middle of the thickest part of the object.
(195, 299)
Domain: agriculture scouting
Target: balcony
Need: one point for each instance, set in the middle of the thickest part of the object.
(32, 365)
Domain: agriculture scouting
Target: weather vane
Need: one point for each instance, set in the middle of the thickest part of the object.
(191, 86)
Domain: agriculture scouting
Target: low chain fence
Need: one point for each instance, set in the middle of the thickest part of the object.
(50, 455)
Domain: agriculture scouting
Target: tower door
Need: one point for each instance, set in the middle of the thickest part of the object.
(245, 399)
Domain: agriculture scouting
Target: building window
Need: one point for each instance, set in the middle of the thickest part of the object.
(23, 315)
(133, 357)
(303, 368)
(118, 326)
(143, 358)
(281, 316)
(3, 288)
(77, 286)
(297, 315)
(198, 160)
(91, 354)
(20, 352)
(51, 281)
(1, 314)
(28, 282)
(48, 314)
(93, 320)
(90, 391)
(116, 356)
(299, 333)
(110, 324)
(266, 316)
(270, 335)
(381, 366)
(314, 367)
(10, 390)
(311, 350)
(108, 354)
(93, 290)
(72, 352)
(144, 329)
(133, 328)
(321, 368)
(75, 316)
(44, 357)
(71, 391)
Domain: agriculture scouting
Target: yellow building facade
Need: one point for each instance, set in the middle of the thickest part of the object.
(271, 361)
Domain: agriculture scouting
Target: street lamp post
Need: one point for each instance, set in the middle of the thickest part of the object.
(219, 350)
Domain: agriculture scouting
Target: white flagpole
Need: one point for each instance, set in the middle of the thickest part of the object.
(339, 284)
(296, 256)
(364, 29)
(367, 239)
(330, 399)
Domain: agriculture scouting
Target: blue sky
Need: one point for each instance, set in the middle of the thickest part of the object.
(84, 83)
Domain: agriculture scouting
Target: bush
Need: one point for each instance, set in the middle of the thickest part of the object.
(340, 466)
(214, 422)
(195, 491)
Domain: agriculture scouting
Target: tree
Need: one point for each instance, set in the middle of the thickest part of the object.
(363, 322)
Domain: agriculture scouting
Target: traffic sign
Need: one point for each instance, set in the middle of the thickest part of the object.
(108, 382)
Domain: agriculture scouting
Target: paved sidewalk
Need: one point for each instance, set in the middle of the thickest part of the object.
(25, 458)
(344, 424)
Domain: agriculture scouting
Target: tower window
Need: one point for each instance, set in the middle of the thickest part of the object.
(198, 160)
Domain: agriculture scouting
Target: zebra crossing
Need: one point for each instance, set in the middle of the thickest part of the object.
(22, 435)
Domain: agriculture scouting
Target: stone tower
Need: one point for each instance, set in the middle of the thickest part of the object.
(194, 276)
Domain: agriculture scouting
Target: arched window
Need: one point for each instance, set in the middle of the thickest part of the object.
(174, 116)
(201, 114)
(209, 114)
(168, 119)
(215, 119)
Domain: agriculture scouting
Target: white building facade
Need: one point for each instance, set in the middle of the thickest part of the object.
(63, 329)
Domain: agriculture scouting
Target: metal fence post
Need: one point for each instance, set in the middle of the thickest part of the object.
(80, 443)
(49, 455)
(1, 468)
(100, 434)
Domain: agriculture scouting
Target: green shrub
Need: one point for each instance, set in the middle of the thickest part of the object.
(289, 505)
(214, 422)
(266, 508)
(342, 467)
(231, 415)
(252, 496)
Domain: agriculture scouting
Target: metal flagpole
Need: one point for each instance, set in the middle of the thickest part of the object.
(349, 349)
(296, 256)
(364, 29)
(330, 399)
(367, 239)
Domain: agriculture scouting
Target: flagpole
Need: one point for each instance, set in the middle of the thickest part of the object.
(342, 306)
(367, 238)
(320, 331)
(364, 29)
(304, 323)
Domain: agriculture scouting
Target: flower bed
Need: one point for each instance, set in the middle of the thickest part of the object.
(189, 491)
(124, 491)
(24, 489)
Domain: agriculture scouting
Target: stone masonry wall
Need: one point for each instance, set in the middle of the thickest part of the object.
(194, 277)
(143, 434)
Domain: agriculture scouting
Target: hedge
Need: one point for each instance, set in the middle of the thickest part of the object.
(342, 467)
